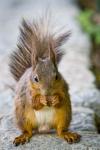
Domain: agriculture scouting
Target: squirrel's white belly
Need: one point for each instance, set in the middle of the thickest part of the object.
(45, 117)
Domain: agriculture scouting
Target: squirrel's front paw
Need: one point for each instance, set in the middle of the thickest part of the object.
(43, 100)
(38, 102)
(56, 101)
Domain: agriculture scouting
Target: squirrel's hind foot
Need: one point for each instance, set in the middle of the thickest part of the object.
(71, 137)
(22, 139)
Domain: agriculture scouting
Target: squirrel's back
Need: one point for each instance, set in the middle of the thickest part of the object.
(35, 40)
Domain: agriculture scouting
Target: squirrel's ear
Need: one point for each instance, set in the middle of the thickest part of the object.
(34, 60)
(52, 54)
(62, 38)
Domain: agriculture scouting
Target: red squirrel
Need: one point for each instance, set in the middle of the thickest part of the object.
(42, 100)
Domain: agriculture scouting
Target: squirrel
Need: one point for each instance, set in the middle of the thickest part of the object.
(42, 100)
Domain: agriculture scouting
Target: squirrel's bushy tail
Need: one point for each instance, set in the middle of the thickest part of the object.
(35, 38)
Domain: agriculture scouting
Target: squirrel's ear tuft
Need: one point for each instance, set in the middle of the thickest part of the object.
(52, 54)
(62, 38)
(34, 59)
(59, 41)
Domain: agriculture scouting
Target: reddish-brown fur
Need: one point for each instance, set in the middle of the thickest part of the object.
(40, 87)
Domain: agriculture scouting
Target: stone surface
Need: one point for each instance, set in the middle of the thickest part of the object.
(83, 119)
(90, 98)
(74, 67)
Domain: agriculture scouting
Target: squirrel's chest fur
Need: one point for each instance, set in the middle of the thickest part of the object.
(44, 118)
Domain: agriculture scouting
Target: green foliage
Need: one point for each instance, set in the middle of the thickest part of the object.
(98, 5)
(89, 26)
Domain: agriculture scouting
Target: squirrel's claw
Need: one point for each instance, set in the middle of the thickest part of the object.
(43, 101)
(55, 100)
(39, 102)
(22, 139)
(71, 137)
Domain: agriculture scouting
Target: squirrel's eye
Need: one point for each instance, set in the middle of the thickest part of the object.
(36, 79)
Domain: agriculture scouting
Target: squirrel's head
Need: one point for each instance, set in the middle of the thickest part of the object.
(45, 57)
(45, 73)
